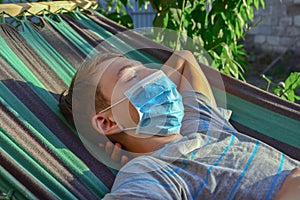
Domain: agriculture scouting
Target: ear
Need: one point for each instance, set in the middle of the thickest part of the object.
(105, 125)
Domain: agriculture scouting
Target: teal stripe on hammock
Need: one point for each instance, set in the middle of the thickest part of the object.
(27, 163)
(12, 103)
(262, 120)
(58, 64)
(71, 35)
(9, 183)
(113, 40)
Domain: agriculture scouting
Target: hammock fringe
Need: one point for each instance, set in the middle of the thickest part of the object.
(38, 7)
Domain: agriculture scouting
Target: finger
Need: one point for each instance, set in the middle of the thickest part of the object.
(101, 145)
(124, 160)
(109, 147)
(116, 153)
(295, 172)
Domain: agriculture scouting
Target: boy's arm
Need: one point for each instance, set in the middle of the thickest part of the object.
(184, 70)
(291, 186)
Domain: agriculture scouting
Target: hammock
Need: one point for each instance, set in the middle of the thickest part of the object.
(42, 156)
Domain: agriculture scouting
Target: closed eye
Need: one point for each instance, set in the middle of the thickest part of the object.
(127, 73)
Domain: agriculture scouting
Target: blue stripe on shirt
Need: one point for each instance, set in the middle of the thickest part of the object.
(142, 181)
(276, 177)
(177, 168)
(136, 165)
(215, 164)
(243, 172)
(193, 154)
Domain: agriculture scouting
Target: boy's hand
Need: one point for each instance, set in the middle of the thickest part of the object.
(290, 189)
(115, 152)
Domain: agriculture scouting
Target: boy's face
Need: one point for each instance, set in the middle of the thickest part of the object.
(118, 77)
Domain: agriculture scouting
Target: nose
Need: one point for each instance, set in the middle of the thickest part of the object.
(146, 72)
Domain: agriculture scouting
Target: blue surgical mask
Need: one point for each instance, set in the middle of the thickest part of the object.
(159, 105)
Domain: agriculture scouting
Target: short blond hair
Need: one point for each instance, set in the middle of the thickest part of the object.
(88, 69)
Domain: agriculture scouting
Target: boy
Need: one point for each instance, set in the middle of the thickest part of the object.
(183, 145)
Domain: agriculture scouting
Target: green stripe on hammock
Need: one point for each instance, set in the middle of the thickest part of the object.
(13, 60)
(72, 35)
(262, 120)
(9, 184)
(113, 40)
(28, 163)
(57, 63)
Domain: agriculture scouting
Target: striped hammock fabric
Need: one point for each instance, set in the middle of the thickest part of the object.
(41, 155)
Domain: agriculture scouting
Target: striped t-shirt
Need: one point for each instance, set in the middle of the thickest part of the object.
(211, 161)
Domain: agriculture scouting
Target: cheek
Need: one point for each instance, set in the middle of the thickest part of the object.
(134, 114)
(107, 88)
(125, 115)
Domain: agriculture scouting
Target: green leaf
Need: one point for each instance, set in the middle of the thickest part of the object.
(256, 3)
(237, 29)
(127, 21)
(240, 21)
(113, 16)
(218, 7)
(124, 2)
(243, 13)
(282, 85)
(291, 95)
(161, 19)
(277, 90)
(141, 3)
(227, 51)
(176, 15)
(262, 2)
(166, 4)
(213, 54)
(293, 81)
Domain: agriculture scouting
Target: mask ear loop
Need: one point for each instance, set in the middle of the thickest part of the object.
(128, 129)
(113, 105)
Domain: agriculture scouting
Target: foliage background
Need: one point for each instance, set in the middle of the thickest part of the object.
(216, 25)
(219, 26)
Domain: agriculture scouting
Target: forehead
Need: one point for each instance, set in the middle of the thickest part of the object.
(109, 77)
(114, 65)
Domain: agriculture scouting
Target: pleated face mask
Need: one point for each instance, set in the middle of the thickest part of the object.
(158, 103)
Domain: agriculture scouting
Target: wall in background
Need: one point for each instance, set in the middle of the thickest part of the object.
(279, 29)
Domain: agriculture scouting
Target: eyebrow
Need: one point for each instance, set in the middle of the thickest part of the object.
(123, 68)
